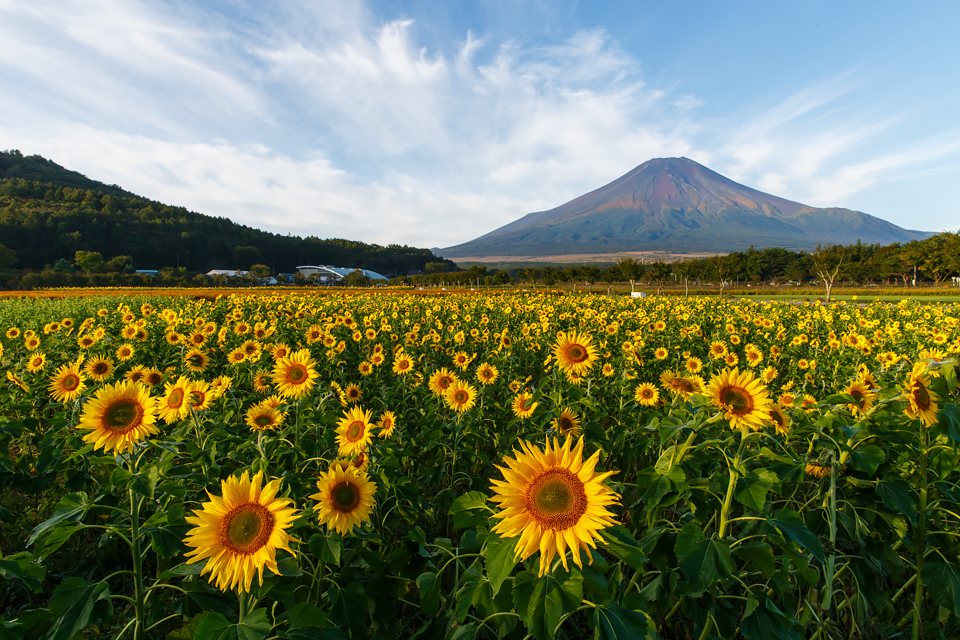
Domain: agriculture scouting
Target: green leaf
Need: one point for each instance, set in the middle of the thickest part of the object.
(791, 527)
(312, 633)
(76, 604)
(896, 497)
(949, 421)
(702, 560)
(617, 623)
(867, 458)
(22, 567)
(500, 559)
(465, 632)
(72, 508)
(767, 621)
(541, 603)
(470, 510)
(621, 543)
(752, 489)
(327, 546)
(145, 482)
(758, 553)
(183, 569)
(306, 614)
(428, 583)
(166, 542)
(254, 626)
(349, 606)
(943, 582)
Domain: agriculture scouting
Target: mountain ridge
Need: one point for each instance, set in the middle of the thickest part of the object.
(678, 205)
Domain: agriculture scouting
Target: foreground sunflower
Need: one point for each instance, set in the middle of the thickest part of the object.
(295, 375)
(567, 423)
(743, 397)
(864, 396)
(344, 498)
(574, 352)
(261, 417)
(353, 431)
(460, 396)
(67, 383)
(553, 500)
(174, 405)
(923, 401)
(119, 416)
(441, 380)
(241, 532)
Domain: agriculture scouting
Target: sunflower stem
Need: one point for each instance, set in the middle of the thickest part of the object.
(734, 474)
(139, 626)
(921, 533)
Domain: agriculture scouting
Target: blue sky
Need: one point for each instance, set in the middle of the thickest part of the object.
(431, 122)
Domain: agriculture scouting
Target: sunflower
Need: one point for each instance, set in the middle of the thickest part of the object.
(487, 374)
(681, 386)
(17, 381)
(694, 365)
(358, 463)
(173, 405)
(124, 352)
(923, 401)
(344, 498)
(567, 423)
(352, 393)
(241, 532)
(85, 342)
(196, 360)
(608, 370)
(460, 396)
(553, 500)
(574, 352)
(37, 362)
(261, 417)
(742, 396)
(365, 368)
(816, 470)
(67, 383)
(402, 364)
(295, 375)
(99, 368)
(647, 395)
(199, 397)
(152, 376)
(353, 431)
(387, 424)
(462, 360)
(780, 419)
(13, 332)
(119, 416)
(252, 349)
(718, 350)
(441, 381)
(661, 353)
(523, 406)
(280, 350)
(863, 395)
(31, 343)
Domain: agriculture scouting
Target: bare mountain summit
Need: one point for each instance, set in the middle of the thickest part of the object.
(680, 206)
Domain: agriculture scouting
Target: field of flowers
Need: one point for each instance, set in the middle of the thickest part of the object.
(475, 466)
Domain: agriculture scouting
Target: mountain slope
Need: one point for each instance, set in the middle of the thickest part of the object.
(48, 213)
(678, 205)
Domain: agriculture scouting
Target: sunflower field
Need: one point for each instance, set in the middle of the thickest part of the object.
(468, 466)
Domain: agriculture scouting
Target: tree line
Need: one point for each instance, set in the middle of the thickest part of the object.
(43, 223)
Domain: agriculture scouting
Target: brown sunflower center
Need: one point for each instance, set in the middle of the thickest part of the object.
(682, 384)
(921, 396)
(70, 382)
(263, 420)
(403, 364)
(345, 497)
(444, 382)
(100, 368)
(460, 396)
(575, 353)
(556, 499)
(355, 430)
(738, 401)
(197, 397)
(123, 415)
(175, 399)
(297, 374)
(246, 528)
(566, 424)
(646, 393)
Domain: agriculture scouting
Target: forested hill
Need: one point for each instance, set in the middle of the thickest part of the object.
(48, 213)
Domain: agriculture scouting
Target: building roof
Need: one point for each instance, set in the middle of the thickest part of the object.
(341, 272)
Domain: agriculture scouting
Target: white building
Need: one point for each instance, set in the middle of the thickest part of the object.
(326, 273)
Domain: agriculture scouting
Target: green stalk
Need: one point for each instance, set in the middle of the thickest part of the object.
(831, 561)
(734, 474)
(921, 533)
(139, 627)
(242, 598)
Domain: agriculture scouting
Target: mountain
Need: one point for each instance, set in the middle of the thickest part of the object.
(680, 206)
(48, 213)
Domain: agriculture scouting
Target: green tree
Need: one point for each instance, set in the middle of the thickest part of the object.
(88, 261)
(245, 257)
(260, 271)
(356, 278)
(659, 272)
(632, 269)
(686, 270)
(8, 257)
(121, 264)
(827, 261)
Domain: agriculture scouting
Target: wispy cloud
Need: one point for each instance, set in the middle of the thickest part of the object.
(320, 118)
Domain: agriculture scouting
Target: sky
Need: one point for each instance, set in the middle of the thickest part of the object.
(431, 122)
